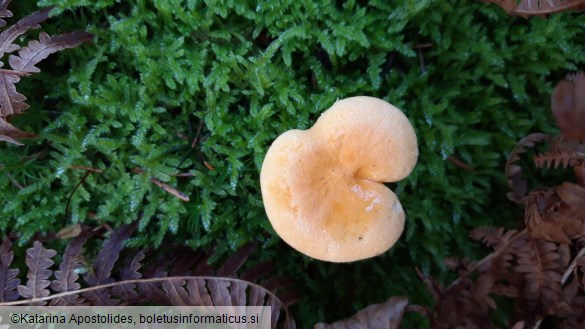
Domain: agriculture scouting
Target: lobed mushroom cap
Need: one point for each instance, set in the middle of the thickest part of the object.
(322, 188)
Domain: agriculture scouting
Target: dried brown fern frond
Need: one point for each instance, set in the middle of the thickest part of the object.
(137, 278)
(433, 287)
(66, 277)
(514, 173)
(465, 305)
(460, 265)
(573, 199)
(528, 8)
(493, 237)
(573, 308)
(539, 219)
(467, 302)
(556, 214)
(530, 266)
(11, 101)
(38, 260)
(556, 159)
(529, 270)
(8, 276)
(540, 267)
(4, 12)
(525, 266)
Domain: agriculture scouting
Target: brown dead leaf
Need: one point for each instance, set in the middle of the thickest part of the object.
(387, 315)
(568, 106)
(528, 8)
(69, 232)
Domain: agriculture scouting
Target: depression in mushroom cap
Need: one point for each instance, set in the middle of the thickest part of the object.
(323, 187)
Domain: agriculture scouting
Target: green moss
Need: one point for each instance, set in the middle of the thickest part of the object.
(247, 72)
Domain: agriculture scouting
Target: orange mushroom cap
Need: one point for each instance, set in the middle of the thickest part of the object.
(322, 187)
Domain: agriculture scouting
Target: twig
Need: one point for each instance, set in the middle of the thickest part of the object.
(460, 163)
(164, 186)
(75, 189)
(170, 189)
(137, 171)
(423, 45)
(196, 139)
(86, 168)
(139, 282)
(106, 226)
(15, 182)
(182, 174)
(421, 60)
(208, 165)
(572, 266)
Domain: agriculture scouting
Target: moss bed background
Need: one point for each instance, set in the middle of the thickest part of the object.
(471, 79)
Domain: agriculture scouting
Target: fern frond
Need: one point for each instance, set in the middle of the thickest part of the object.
(11, 101)
(564, 159)
(538, 263)
(139, 281)
(67, 276)
(38, 260)
(8, 36)
(514, 172)
(492, 237)
(8, 276)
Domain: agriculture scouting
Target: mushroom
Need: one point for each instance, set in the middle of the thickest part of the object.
(323, 187)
